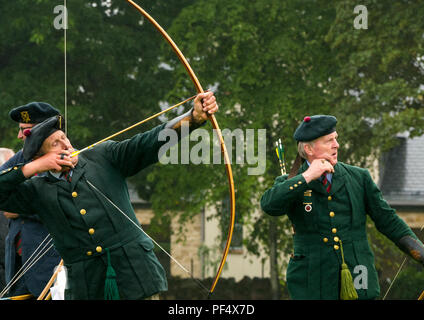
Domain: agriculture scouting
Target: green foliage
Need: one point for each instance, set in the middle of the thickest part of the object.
(377, 86)
(409, 284)
(390, 260)
(113, 74)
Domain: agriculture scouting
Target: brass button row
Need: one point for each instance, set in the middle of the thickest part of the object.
(99, 249)
(7, 170)
(295, 185)
(91, 231)
(336, 239)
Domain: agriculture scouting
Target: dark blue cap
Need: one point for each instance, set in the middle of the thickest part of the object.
(314, 127)
(33, 112)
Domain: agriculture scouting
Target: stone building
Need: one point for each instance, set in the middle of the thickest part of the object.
(402, 180)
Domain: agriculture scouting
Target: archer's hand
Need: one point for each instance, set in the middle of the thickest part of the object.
(204, 104)
(317, 168)
(54, 161)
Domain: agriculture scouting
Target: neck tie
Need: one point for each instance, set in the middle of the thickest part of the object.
(326, 183)
(66, 175)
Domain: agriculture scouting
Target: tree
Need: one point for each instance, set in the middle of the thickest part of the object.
(378, 85)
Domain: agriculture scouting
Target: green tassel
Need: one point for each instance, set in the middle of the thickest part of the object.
(111, 287)
(347, 289)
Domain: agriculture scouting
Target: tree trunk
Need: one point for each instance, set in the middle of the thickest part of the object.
(275, 281)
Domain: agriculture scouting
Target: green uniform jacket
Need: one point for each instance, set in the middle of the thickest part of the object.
(318, 217)
(84, 224)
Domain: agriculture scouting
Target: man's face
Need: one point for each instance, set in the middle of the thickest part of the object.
(57, 141)
(325, 147)
(22, 127)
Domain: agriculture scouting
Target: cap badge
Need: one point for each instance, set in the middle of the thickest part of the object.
(25, 116)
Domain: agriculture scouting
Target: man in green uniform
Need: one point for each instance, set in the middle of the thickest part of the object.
(105, 253)
(327, 202)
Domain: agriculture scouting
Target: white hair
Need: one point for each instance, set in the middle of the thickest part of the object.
(301, 148)
(5, 154)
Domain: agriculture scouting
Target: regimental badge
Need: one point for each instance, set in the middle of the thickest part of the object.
(25, 116)
(307, 193)
(308, 206)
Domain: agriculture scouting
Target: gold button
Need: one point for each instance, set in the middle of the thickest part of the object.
(74, 194)
(15, 168)
(336, 247)
(83, 212)
(291, 188)
(332, 214)
(99, 249)
(91, 231)
(329, 198)
(300, 182)
(325, 240)
(336, 239)
(334, 230)
(89, 253)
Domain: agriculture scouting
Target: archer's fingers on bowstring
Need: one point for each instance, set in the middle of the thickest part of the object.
(64, 160)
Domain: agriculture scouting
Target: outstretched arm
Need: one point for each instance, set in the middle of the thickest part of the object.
(132, 155)
(389, 223)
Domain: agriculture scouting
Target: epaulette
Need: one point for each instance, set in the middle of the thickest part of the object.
(10, 169)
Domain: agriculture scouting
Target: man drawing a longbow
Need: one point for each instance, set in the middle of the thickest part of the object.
(105, 255)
